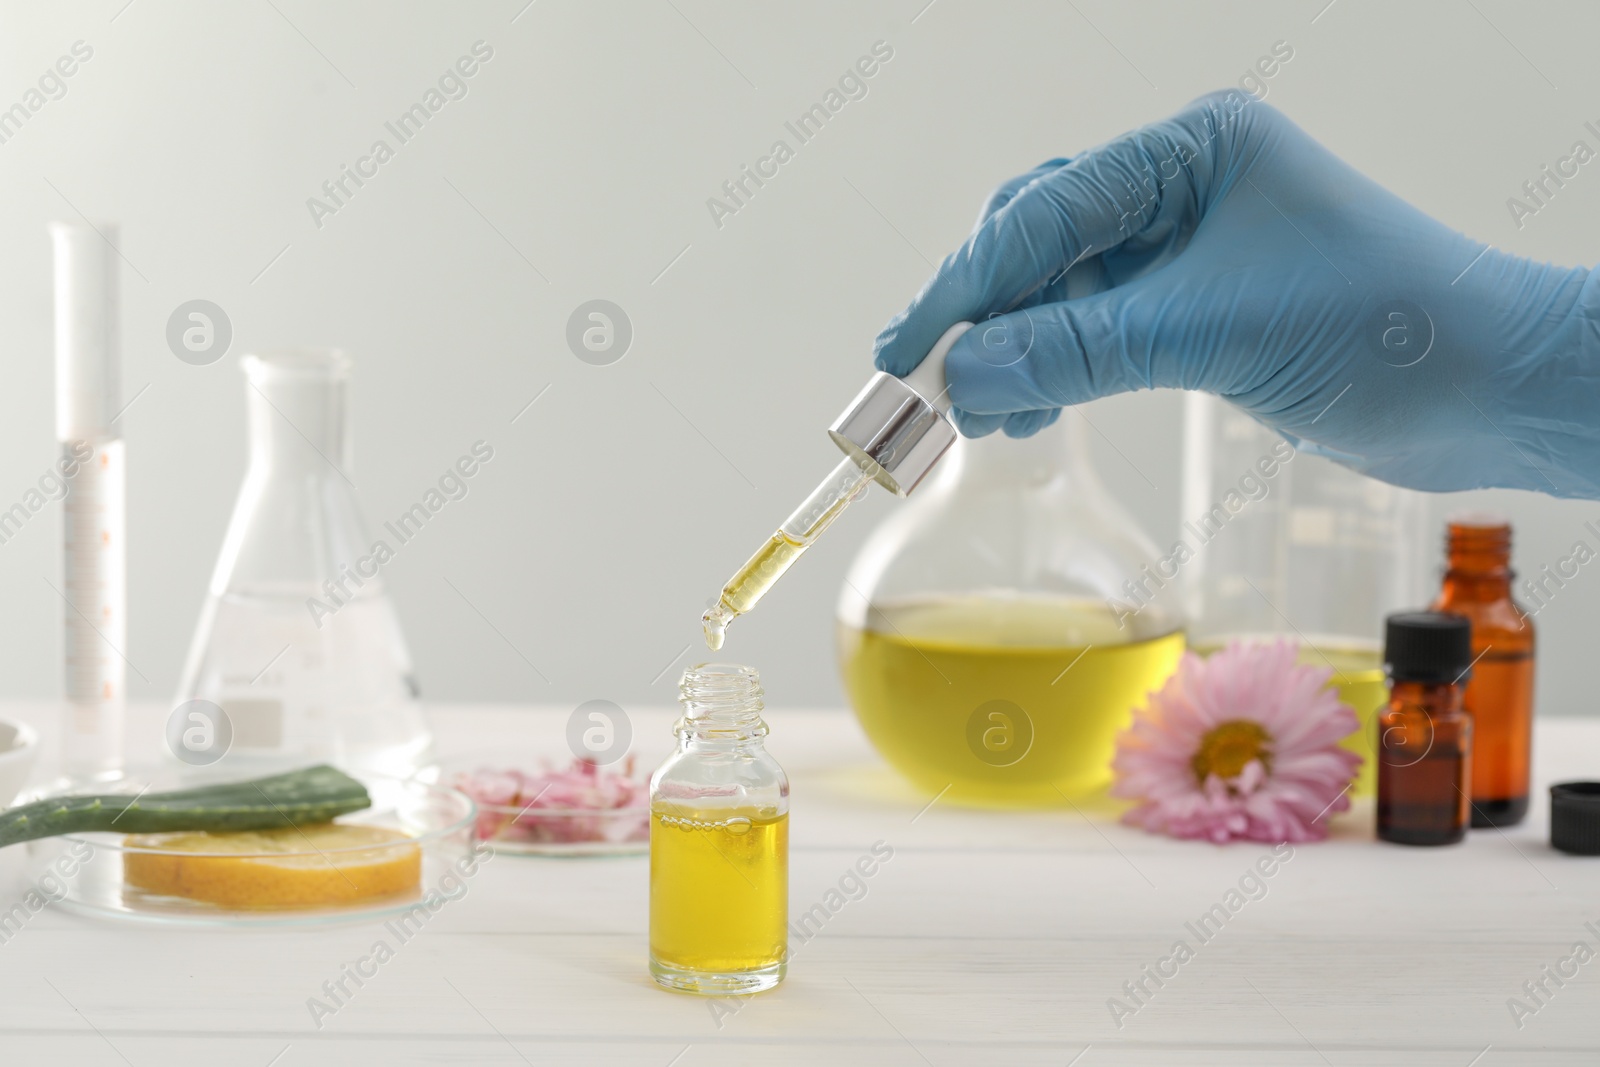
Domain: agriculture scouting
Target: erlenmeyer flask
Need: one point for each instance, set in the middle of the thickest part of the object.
(989, 637)
(298, 642)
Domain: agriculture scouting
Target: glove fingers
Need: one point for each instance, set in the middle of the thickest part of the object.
(1089, 277)
(1008, 190)
(1020, 248)
(1028, 423)
(1096, 202)
(1054, 355)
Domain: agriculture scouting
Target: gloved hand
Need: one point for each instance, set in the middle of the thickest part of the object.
(1224, 250)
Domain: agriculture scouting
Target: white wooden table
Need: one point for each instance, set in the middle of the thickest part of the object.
(987, 939)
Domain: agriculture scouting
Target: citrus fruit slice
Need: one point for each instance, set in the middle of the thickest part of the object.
(292, 867)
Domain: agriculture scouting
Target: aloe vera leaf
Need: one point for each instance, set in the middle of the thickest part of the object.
(309, 795)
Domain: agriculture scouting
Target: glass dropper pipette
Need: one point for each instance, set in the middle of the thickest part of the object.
(827, 502)
(892, 433)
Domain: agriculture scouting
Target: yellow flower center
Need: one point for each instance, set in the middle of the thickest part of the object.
(1227, 748)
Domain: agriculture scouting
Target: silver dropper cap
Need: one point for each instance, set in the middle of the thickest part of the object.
(897, 428)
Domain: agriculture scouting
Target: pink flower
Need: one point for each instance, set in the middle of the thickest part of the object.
(580, 802)
(1241, 746)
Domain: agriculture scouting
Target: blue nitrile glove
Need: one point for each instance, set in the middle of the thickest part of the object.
(1224, 250)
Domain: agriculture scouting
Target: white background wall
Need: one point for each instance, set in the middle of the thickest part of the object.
(577, 167)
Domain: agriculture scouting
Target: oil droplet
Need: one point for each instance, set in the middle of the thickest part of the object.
(715, 624)
(737, 825)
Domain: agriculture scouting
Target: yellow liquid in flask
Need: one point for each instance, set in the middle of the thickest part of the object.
(1013, 701)
(1359, 680)
(719, 889)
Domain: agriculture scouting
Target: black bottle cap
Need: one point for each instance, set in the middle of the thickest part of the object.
(1429, 647)
(1575, 817)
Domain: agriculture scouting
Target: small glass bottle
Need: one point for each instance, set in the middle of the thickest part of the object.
(719, 843)
(1424, 741)
(1477, 584)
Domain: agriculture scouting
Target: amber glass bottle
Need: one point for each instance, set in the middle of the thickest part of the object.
(1425, 741)
(1477, 585)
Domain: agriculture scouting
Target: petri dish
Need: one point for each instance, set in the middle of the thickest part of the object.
(88, 873)
(542, 802)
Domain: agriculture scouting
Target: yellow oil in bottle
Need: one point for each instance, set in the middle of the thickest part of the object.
(1359, 680)
(719, 890)
(1008, 701)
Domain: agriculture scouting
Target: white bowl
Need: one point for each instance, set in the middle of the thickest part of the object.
(19, 744)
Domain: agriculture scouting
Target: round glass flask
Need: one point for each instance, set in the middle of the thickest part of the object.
(298, 642)
(996, 632)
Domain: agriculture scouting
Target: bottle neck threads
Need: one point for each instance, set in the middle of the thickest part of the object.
(1478, 547)
(721, 702)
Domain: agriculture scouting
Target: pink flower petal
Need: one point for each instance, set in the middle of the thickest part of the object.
(1286, 795)
(580, 802)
